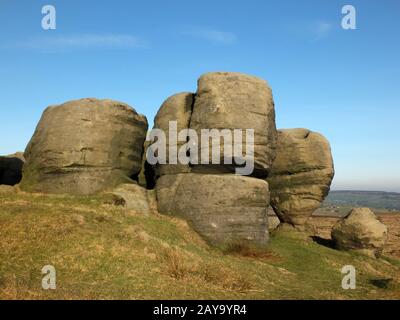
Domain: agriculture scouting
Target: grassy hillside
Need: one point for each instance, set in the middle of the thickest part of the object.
(102, 251)
(371, 199)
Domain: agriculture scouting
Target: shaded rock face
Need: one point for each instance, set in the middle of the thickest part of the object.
(223, 209)
(83, 147)
(224, 100)
(301, 175)
(11, 169)
(147, 175)
(360, 230)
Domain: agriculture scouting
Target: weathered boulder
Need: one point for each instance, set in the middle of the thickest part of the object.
(177, 108)
(229, 100)
(301, 175)
(361, 231)
(83, 147)
(224, 209)
(11, 169)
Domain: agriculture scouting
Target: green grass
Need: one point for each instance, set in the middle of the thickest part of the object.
(102, 251)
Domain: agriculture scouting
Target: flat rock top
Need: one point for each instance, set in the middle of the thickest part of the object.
(96, 103)
(18, 155)
(301, 150)
(363, 216)
(232, 77)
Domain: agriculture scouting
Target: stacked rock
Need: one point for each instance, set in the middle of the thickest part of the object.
(301, 175)
(223, 207)
(89, 146)
(84, 147)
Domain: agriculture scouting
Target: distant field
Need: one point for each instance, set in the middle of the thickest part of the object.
(373, 199)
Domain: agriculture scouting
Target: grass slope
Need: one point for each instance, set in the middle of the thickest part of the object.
(105, 252)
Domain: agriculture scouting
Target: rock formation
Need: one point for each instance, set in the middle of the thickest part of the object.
(224, 209)
(83, 147)
(89, 146)
(11, 169)
(221, 206)
(360, 230)
(301, 175)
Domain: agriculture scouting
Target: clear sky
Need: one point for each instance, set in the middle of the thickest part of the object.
(342, 83)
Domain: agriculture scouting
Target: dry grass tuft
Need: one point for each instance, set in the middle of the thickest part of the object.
(180, 267)
(250, 251)
(226, 278)
(176, 264)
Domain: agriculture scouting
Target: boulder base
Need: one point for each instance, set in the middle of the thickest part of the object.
(224, 209)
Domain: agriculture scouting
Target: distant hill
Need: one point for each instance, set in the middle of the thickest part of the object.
(371, 199)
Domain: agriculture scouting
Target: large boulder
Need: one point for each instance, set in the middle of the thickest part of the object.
(224, 209)
(177, 108)
(83, 147)
(229, 100)
(11, 169)
(361, 231)
(301, 175)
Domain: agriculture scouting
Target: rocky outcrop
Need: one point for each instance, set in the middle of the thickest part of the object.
(301, 175)
(89, 146)
(361, 231)
(224, 209)
(83, 147)
(221, 206)
(11, 169)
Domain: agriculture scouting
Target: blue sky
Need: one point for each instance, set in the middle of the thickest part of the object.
(342, 83)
